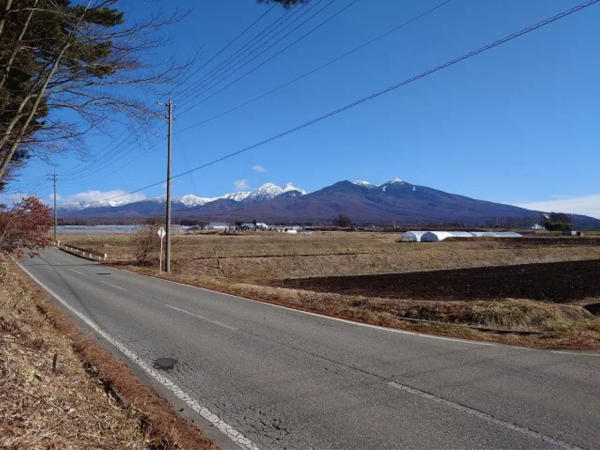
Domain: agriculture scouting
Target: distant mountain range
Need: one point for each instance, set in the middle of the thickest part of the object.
(363, 202)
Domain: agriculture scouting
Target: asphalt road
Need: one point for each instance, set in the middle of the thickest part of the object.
(269, 377)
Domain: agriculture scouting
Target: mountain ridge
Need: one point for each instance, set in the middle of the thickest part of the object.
(267, 191)
(365, 203)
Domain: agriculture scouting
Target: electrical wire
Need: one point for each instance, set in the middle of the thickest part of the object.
(233, 41)
(389, 89)
(251, 43)
(123, 148)
(97, 165)
(289, 83)
(269, 59)
(186, 161)
(222, 72)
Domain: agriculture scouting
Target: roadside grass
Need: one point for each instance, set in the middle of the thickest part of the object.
(58, 388)
(43, 405)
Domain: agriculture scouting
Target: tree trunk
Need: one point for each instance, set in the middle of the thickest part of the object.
(4, 75)
(3, 20)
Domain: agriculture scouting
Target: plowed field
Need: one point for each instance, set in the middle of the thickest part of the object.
(562, 282)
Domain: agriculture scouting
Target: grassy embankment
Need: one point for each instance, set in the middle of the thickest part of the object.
(49, 400)
(244, 264)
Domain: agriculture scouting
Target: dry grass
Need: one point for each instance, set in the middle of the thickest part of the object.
(266, 256)
(64, 406)
(42, 407)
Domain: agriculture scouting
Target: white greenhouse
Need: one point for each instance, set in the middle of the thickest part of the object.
(461, 234)
(435, 236)
(413, 236)
(503, 234)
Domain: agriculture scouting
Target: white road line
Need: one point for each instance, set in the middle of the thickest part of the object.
(484, 416)
(200, 317)
(77, 271)
(229, 431)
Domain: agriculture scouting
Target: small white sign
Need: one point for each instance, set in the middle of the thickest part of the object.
(161, 232)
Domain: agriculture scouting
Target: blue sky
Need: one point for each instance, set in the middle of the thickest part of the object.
(517, 124)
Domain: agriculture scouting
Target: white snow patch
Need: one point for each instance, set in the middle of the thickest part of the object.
(269, 191)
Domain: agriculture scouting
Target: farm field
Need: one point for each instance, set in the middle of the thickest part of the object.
(539, 283)
(268, 256)
(562, 282)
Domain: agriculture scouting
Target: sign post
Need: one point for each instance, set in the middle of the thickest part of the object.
(161, 234)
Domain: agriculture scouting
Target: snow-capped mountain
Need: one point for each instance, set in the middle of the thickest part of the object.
(266, 192)
(269, 191)
(363, 202)
(99, 204)
(192, 201)
(370, 185)
(237, 196)
(366, 184)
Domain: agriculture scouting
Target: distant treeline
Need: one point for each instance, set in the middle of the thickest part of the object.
(398, 225)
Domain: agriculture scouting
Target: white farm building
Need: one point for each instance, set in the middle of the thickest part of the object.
(413, 236)
(461, 234)
(436, 236)
(503, 234)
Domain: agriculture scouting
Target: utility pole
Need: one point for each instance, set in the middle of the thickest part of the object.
(54, 178)
(170, 119)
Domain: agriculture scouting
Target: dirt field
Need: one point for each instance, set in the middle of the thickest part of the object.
(255, 257)
(563, 282)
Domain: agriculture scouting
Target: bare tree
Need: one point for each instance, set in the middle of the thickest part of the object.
(82, 58)
(146, 243)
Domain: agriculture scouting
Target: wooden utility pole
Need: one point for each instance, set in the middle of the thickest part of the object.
(54, 178)
(170, 118)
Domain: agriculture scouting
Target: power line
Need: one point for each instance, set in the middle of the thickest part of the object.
(125, 151)
(381, 36)
(270, 58)
(233, 41)
(186, 161)
(108, 160)
(98, 165)
(116, 153)
(201, 84)
(384, 91)
(84, 169)
(92, 167)
(122, 166)
(260, 36)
